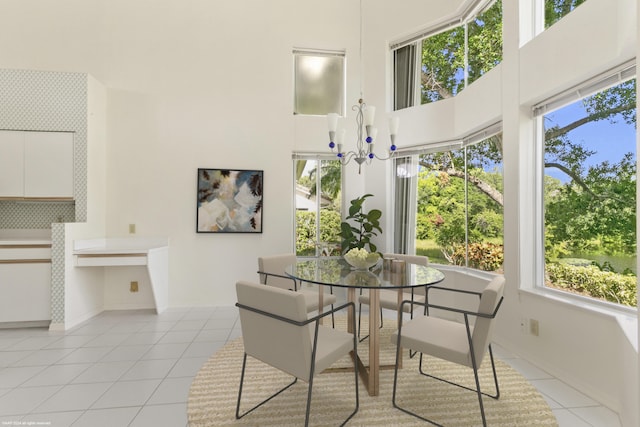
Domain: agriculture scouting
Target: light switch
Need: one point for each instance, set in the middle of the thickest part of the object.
(132, 229)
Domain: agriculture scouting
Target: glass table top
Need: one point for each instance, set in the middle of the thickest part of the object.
(335, 271)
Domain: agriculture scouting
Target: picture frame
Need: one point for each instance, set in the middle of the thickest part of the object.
(229, 201)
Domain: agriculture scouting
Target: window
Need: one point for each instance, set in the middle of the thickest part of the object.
(443, 66)
(453, 55)
(458, 203)
(319, 82)
(484, 40)
(554, 10)
(404, 66)
(589, 189)
(318, 199)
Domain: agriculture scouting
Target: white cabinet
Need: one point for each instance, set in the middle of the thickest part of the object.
(36, 164)
(48, 164)
(25, 282)
(11, 163)
(25, 292)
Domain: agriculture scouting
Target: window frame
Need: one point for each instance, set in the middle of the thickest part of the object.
(601, 82)
(319, 157)
(467, 13)
(412, 153)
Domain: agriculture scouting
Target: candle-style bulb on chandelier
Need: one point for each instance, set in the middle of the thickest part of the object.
(364, 152)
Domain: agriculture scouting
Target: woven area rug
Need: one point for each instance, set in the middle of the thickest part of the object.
(214, 391)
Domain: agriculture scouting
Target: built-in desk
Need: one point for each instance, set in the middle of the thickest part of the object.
(133, 251)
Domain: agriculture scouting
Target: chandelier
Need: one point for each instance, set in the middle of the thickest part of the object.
(364, 146)
(363, 152)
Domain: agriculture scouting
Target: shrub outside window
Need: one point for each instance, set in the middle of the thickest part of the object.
(317, 204)
(459, 206)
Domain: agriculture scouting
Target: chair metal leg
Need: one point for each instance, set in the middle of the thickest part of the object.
(310, 388)
(359, 323)
(238, 415)
(355, 370)
(495, 378)
(355, 375)
(476, 390)
(309, 392)
(395, 384)
(475, 374)
(333, 318)
(412, 353)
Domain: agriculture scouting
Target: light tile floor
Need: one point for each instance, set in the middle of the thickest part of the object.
(134, 368)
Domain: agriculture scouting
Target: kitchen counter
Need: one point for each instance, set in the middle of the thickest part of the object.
(17, 237)
(24, 242)
(25, 246)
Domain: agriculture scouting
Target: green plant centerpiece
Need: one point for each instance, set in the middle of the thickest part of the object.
(360, 227)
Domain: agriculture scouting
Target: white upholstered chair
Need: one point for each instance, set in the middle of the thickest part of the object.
(276, 331)
(271, 271)
(464, 343)
(389, 298)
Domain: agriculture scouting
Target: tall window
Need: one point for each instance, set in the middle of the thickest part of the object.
(590, 191)
(459, 205)
(453, 55)
(319, 81)
(318, 200)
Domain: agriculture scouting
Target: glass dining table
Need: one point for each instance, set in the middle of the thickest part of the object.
(335, 271)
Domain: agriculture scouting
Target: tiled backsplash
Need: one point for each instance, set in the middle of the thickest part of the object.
(35, 215)
(35, 100)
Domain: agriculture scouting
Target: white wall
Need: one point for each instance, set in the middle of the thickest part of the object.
(84, 287)
(201, 84)
(209, 84)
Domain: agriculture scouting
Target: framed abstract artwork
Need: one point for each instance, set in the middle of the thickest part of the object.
(229, 201)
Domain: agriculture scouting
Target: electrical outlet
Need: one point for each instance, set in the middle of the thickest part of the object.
(132, 229)
(534, 327)
(133, 287)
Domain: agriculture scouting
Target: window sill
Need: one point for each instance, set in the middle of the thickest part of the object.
(471, 272)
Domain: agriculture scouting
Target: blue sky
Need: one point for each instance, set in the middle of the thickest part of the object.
(610, 141)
